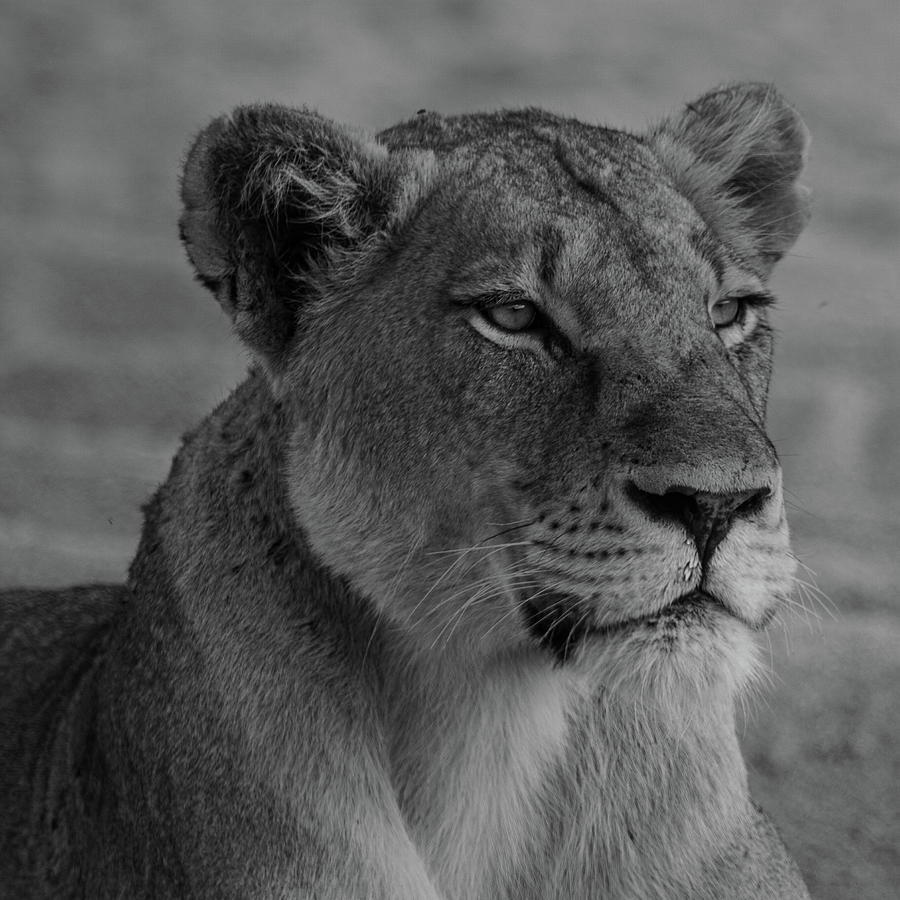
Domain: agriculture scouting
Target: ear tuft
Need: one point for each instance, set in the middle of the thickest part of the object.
(737, 153)
(271, 197)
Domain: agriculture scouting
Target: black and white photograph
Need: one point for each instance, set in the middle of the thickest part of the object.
(449, 450)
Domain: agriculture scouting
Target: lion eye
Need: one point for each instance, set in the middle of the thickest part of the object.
(517, 316)
(725, 312)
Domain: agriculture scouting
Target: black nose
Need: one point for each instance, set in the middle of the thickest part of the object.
(707, 516)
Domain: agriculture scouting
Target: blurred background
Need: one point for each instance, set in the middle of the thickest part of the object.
(109, 350)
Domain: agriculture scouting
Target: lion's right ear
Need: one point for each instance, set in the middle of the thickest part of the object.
(272, 196)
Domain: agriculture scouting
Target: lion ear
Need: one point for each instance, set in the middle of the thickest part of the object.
(271, 198)
(737, 154)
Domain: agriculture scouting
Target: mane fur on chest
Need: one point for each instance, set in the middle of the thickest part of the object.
(525, 780)
(472, 752)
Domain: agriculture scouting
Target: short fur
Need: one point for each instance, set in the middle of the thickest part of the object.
(418, 612)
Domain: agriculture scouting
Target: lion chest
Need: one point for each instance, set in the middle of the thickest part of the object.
(471, 762)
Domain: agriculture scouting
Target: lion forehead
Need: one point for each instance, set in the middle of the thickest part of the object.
(531, 149)
(530, 189)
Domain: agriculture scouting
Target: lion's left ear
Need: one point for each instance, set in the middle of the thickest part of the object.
(737, 153)
(273, 198)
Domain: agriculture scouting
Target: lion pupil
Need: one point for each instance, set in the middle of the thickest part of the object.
(513, 316)
(725, 312)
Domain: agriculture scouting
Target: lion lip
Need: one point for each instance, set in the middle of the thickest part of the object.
(696, 604)
(560, 627)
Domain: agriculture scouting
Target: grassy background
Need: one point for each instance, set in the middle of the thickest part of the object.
(108, 350)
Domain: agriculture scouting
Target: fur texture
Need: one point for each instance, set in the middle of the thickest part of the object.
(433, 607)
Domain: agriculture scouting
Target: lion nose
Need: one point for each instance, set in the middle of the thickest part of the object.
(707, 516)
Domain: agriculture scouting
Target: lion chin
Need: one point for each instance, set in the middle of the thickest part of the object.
(453, 598)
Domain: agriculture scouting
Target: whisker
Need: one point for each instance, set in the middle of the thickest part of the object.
(392, 590)
(487, 592)
(478, 547)
(814, 594)
(491, 548)
(496, 580)
(485, 597)
(516, 576)
(517, 608)
(509, 526)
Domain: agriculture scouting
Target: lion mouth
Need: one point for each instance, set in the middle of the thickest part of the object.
(560, 625)
(695, 604)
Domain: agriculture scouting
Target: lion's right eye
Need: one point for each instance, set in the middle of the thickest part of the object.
(517, 316)
(509, 319)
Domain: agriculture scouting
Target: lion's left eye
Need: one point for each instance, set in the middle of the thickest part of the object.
(726, 312)
(517, 316)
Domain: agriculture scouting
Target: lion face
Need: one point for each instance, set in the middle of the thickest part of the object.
(528, 367)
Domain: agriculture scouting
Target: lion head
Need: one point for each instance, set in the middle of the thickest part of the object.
(526, 362)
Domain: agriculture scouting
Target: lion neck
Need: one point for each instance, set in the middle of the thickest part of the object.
(223, 569)
(522, 779)
(513, 779)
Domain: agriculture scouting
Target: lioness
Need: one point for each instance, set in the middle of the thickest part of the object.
(454, 596)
